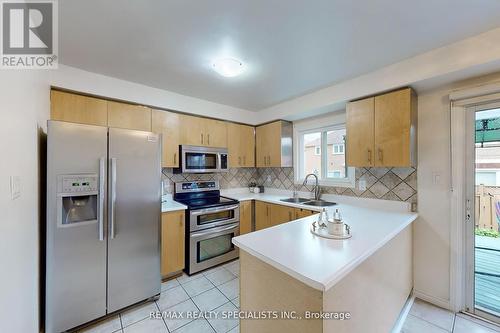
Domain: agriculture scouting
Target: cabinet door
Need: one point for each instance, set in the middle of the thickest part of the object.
(281, 214)
(78, 109)
(234, 145)
(215, 133)
(392, 129)
(245, 217)
(129, 116)
(301, 212)
(168, 124)
(262, 215)
(247, 146)
(360, 133)
(273, 138)
(192, 130)
(172, 242)
(261, 147)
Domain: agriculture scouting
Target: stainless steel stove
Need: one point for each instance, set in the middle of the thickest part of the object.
(211, 222)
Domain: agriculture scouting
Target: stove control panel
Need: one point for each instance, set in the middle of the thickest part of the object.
(198, 186)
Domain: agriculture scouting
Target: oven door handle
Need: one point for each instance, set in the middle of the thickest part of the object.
(213, 231)
(214, 210)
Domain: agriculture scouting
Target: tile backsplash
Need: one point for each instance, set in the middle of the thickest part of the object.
(399, 184)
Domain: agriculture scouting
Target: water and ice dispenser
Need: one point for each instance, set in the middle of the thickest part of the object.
(77, 199)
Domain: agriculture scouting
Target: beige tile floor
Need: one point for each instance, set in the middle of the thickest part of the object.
(424, 317)
(216, 289)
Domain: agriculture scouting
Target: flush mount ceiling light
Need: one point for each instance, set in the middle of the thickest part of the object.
(228, 67)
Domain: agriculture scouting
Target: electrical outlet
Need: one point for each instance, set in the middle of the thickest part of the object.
(15, 187)
(362, 185)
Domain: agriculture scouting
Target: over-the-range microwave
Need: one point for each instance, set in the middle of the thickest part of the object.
(197, 159)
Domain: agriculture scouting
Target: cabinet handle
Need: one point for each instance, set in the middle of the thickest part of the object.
(244, 160)
(175, 158)
(369, 156)
(239, 160)
(380, 155)
(290, 216)
(208, 139)
(201, 138)
(180, 220)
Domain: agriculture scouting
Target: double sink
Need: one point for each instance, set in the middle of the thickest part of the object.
(309, 202)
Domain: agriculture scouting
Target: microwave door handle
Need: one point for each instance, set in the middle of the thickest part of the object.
(214, 210)
(219, 162)
(213, 231)
(102, 181)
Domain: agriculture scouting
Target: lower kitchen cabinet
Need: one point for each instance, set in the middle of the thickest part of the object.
(301, 212)
(172, 242)
(245, 217)
(262, 215)
(281, 214)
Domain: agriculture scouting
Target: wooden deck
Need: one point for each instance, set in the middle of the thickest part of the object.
(487, 277)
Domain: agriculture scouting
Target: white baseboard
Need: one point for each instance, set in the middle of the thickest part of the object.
(442, 303)
(398, 326)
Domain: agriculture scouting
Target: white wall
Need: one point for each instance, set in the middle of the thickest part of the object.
(432, 229)
(24, 106)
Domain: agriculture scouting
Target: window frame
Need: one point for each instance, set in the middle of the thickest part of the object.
(349, 181)
(316, 150)
(340, 145)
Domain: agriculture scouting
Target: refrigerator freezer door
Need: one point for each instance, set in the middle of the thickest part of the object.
(134, 217)
(76, 251)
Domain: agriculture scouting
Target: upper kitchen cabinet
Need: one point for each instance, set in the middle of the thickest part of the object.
(381, 130)
(168, 124)
(199, 131)
(129, 116)
(241, 145)
(274, 144)
(75, 108)
(360, 119)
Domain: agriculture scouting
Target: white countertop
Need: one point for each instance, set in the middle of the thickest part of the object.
(169, 205)
(319, 262)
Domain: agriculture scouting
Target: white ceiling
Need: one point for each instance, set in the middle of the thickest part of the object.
(290, 47)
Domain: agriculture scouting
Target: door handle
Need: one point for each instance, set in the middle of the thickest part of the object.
(112, 200)
(102, 181)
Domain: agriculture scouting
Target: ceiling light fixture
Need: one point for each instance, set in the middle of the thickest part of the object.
(228, 67)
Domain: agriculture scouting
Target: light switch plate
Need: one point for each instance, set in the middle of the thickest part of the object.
(362, 185)
(15, 187)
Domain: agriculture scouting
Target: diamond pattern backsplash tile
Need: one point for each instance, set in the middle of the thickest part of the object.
(399, 184)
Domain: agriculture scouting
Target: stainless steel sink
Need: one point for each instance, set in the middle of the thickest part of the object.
(319, 203)
(295, 200)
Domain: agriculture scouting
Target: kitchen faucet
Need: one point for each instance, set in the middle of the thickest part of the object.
(316, 189)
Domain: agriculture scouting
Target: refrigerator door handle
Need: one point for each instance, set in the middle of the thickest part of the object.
(112, 200)
(102, 181)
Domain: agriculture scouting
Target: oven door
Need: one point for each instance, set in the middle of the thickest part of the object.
(211, 247)
(194, 161)
(201, 219)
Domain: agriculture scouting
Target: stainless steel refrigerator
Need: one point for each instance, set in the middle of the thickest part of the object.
(103, 222)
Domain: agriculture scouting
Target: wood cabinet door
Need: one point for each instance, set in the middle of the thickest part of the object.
(245, 217)
(281, 214)
(168, 124)
(75, 108)
(215, 133)
(392, 129)
(262, 215)
(247, 146)
(129, 116)
(192, 130)
(273, 141)
(261, 146)
(360, 117)
(234, 145)
(172, 242)
(301, 212)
